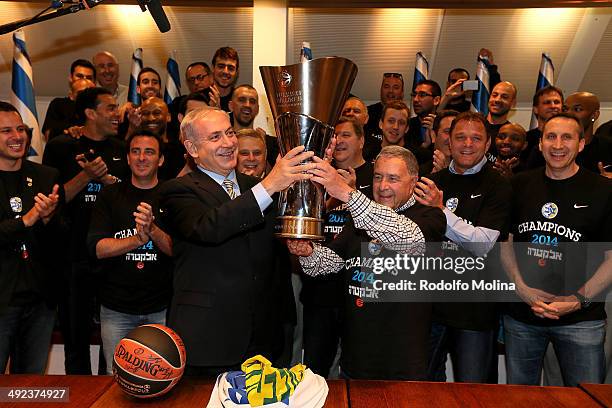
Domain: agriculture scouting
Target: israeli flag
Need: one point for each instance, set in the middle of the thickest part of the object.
(421, 73)
(480, 98)
(305, 52)
(173, 80)
(133, 95)
(22, 95)
(546, 77)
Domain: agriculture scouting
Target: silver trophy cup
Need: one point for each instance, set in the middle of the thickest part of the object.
(306, 100)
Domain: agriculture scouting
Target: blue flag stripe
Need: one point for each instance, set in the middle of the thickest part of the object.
(23, 89)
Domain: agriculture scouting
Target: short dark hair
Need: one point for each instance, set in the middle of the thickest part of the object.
(357, 128)
(397, 105)
(144, 71)
(435, 88)
(83, 63)
(226, 53)
(195, 64)
(458, 69)
(202, 96)
(441, 115)
(88, 99)
(247, 86)
(544, 91)
(7, 107)
(470, 116)
(146, 133)
(566, 115)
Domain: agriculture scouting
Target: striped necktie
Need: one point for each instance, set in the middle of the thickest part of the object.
(229, 187)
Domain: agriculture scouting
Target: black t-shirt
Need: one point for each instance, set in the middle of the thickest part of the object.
(139, 281)
(492, 131)
(225, 100)
(326, 290)
(386, 340)
(60, 116)
(482, 200)
(27, 288)
(547, 214)
(60, 153)
(374, 115)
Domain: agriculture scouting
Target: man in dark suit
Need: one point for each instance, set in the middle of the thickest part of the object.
(29, 194)
(228, 297)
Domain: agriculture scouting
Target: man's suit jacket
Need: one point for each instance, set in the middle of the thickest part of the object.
(39, 239)
(228, 295)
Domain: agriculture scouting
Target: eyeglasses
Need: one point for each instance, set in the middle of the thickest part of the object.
(393, 75)
(420, 94)
(198, 78)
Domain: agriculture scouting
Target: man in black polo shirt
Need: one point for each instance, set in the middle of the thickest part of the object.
(476, 202)
(135, 274)
(380, 340)
(568, 209)
(86, 165)
(391, 90)
(547, 102)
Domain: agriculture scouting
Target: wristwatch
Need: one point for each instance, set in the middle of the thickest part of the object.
(584, 301)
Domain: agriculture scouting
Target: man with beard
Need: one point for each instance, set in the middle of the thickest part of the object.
(502, 99)
(86, 165)
(425, 101)
(135, 278)
(380, 340)
(148, 84)
(244, 107)
(154, 117)
(226, 68)
(107, 74)
(510, 143)
(441, 134)
(391, 90)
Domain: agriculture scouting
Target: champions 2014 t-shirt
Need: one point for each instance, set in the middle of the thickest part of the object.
(139, 281)
(553, 222)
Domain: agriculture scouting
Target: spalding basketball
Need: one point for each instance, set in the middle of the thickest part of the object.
(149, 361)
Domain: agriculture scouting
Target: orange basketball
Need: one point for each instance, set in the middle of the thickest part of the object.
(149, 361)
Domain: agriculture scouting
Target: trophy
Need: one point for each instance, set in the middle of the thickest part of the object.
(306, 100)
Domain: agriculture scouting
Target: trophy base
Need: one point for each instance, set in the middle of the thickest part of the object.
(300, 228)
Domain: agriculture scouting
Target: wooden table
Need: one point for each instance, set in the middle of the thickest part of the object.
(191, 392)
(102, 392)
(83, 390)
(601, 393)
(368, 394)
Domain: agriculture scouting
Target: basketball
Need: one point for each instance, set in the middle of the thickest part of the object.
(149, 361)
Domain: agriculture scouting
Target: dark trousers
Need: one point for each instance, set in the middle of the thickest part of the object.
(472, 352)
(76, 312)
(25, 337)
(321, 337)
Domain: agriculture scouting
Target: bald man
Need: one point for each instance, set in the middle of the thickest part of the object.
(597, 153)
(107, 73)
(154, 117)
